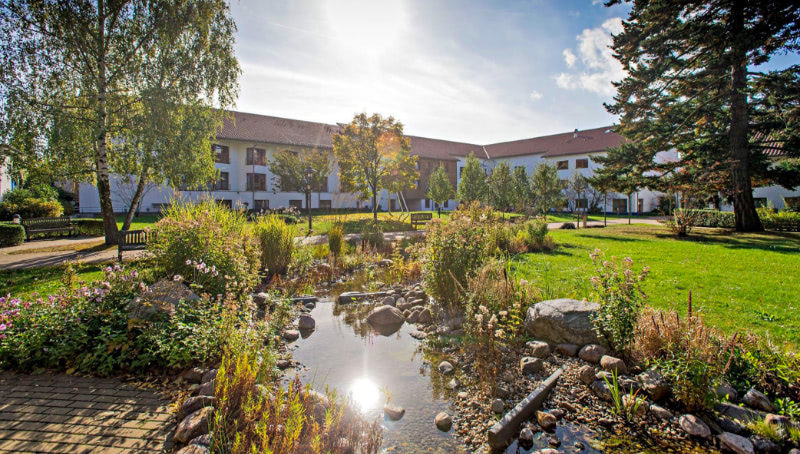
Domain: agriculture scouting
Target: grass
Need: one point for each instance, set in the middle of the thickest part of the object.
(26, 283)
(739, 281)
(93, 246)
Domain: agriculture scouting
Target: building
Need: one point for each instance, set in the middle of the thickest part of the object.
(246, 142)
(6, 181)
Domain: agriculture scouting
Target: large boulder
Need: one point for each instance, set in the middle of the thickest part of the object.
(386, 315)
(562, 321)
(194, 425)
(735, 443)
(694, 426)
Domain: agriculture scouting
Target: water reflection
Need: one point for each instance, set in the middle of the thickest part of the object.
(365, 394)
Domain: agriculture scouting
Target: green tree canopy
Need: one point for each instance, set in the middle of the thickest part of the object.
(501, 187)
(522, 189)
(545, 188)
(692, 87)
(129, 86)
(373, 154)
(288, 169)
(439, 188)
(473, 184)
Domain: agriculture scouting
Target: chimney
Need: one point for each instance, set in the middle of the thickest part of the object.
(575, 135)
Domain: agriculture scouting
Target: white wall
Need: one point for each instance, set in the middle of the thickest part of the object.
(6, 184)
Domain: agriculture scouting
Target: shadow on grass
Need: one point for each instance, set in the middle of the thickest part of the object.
(780, 242)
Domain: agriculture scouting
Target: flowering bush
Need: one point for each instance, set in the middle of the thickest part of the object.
(617, 289)
(206, 232)
(87, 327)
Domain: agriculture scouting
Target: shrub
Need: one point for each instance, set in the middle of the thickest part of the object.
(31, 208)
(11, 235)
(372, 235)
(568, 226)
(713, 218)
(617, 289)
(772, 219)
(90, 227)
(276, 240)
(192, 237)
(86, 327)
(693, 357)
(335, 239)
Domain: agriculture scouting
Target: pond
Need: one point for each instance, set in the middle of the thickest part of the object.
(343, 353)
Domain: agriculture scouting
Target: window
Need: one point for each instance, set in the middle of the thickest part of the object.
(225, 203)
(562, 165)
(288, 184)
(582, 163)
(222, 154)
(581, 204)
(445, 203)
(427, 203)
(222, 183)
(619, 205)
(261, 205)
(323, 185)
(520, 167)
(256, 182)
(296, 204)
(325, 205)
(760, 202)
(461, 172)
(417, 183)
(256, 156)
(792, 203)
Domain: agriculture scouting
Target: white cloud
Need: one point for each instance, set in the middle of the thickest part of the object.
(597, 2)
(569, 57)
(599, 65)
(535, 95)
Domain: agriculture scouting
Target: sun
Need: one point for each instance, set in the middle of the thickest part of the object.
(365, 393)
(366, 28)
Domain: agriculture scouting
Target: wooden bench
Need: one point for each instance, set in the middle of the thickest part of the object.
(131, 240)
(59, 224)
(418, 219)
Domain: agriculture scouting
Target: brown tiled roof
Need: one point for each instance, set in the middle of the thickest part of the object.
(587, 141)
(263, 128)
(768, 144)
(443, 149)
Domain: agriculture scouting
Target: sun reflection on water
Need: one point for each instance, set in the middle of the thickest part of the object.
(365, 393)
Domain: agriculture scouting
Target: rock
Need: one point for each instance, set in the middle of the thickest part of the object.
(567, 349)
(414, 317)
(764, 445)
(207, 388)
(193, 404)
(385, 263)
(446, 368)
(526, 438)
(501, 392)
(546, 420)
(349, 297)
(546, 451)
(283, 364)
(385, 315)
(586, 374)
(612, 364)
(419, 335)
(538, 349)
(209, 375)
(605, 375)
(592, 353)
(530, 366)
(261, 299)
(653, 384)
(393, 412)
(193, 426)
(425, 316)
(159, 301)
(729, 425)
(579, 446)
(562, 321)
(498, 406)
(202, 440)
(726, 391)
(776, 420)
(310, 306)
(557, 412)
(452, 384)
(291, 335)
(306, 322)
(694, 426)
(759, 401)
(635, 403)
(389, 301)
(193, 449)
(463, 395)
(661, 412)
(443, 422)
(601, 390)
(743, 414)
(402, 304)
(735, 443)
(193, 375)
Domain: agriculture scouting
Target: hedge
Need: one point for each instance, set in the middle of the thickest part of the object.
(31, 208)
(90, 227)
(11, 234)
(786, 221)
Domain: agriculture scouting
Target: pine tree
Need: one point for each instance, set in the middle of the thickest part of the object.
(689, 87)
(473, 185)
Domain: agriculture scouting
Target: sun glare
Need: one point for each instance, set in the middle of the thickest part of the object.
(367, 28)
(365, 393)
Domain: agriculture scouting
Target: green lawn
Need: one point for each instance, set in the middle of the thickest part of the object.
(139, 222)
(739, 281)
(43, 281)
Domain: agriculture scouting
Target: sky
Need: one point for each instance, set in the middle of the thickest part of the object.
(465, 70)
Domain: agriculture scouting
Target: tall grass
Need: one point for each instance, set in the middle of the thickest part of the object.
(276, 241)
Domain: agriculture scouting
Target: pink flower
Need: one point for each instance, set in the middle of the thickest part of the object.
(3, 327)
